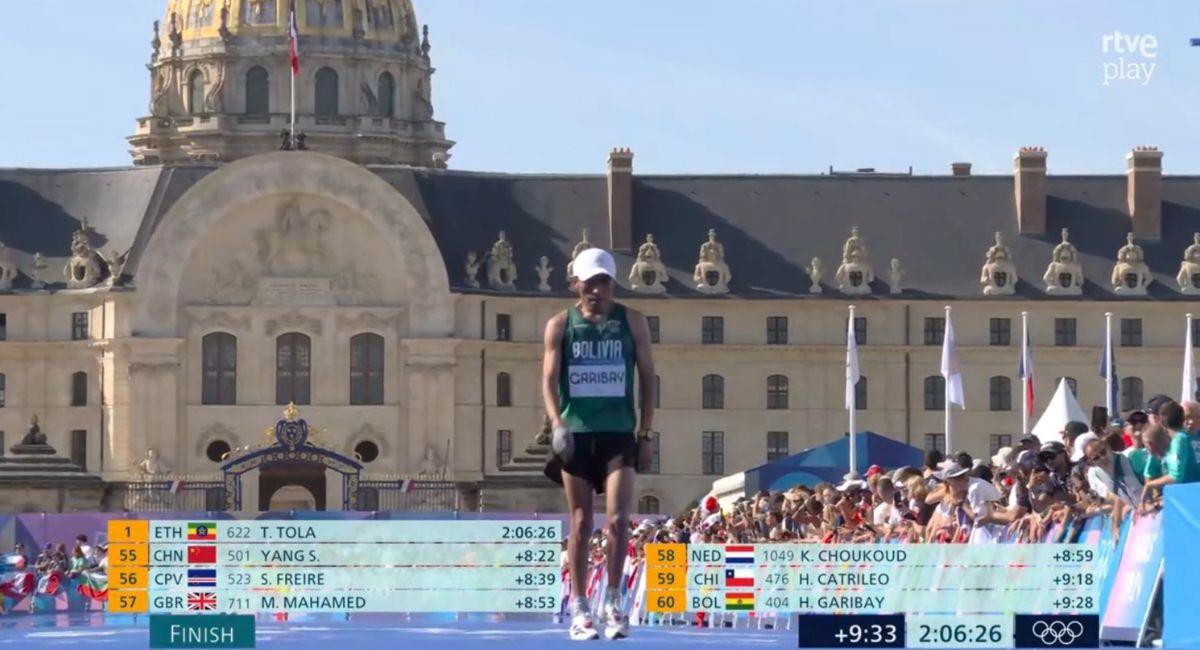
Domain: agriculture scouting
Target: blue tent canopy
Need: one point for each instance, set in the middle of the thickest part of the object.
(828, 462)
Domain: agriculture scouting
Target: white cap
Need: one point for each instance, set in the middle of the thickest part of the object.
(1080, 443)
(592, 262)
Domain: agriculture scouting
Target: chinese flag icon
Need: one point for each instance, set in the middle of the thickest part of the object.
(202, 555)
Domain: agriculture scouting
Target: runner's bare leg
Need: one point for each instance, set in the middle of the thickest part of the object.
(579, 504)
(618, 490)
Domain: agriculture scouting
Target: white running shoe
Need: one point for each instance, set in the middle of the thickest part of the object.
(583, 627)
(616, 624)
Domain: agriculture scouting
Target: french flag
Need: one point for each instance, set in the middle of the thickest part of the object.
(1025, 372)
(294, 40)
(741, 554)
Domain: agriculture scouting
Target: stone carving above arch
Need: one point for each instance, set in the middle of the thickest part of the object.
(416, 273)
(220, 320)
(368, 320)
(293, 320)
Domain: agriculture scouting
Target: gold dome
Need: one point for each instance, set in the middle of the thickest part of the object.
(376, 20)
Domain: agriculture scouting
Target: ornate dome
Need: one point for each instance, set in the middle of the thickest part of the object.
(221, 82)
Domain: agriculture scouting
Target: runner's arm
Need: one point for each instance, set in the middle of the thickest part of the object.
(645, 366)
(551, 361)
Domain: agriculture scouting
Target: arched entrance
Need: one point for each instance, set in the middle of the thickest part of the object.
(289, 482)
(291, 497)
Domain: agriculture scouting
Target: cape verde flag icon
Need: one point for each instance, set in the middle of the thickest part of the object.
(202, 577)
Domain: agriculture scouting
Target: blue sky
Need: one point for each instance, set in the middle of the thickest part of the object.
(694, 86)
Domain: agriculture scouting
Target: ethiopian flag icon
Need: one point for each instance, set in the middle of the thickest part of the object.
(739, 601)
(205, 531)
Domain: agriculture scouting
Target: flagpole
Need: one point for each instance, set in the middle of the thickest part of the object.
(946, 390)
(852, 406)
(1188, 388)
(295, 47)
(1025, 405)
(1108, 361)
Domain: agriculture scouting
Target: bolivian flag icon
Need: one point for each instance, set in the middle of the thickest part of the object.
(739, 601)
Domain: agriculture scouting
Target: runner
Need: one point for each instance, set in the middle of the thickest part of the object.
(587, 387)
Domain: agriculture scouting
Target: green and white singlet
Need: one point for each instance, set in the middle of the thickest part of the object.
(595, 378)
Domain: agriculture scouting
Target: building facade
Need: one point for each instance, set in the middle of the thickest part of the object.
(171, 309)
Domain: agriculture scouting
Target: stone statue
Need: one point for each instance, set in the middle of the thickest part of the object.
(152, 465)
(1064, 276)
(896, 276)
(712, 274)
(34, 441)
(855, 275)
(359, 18)
(648, 274)
(39, 267)
(295, 245)
(116, 266)
(8, 268)
(472, 268)
(162, 80)
(583, 245)
(999, 274)
(422, 102)
(543, 270)
(430, 464)
(1189, 269)
(814, 275)
(370, 102)
(1131, 275)
(502, 270)
(226, 35)
(83, 269)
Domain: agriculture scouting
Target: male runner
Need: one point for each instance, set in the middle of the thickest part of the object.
(587, 387)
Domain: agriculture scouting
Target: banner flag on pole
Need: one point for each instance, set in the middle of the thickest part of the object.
(852, 370)
(950, 367)
(1025, 373)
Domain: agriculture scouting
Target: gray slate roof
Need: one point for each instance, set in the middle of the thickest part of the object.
(771, 226)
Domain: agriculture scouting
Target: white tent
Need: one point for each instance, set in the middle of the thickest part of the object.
(1062, 409)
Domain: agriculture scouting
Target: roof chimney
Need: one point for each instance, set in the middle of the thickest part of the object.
(1029, 176)
(1145, 191)
(960, 169)
(620, 199)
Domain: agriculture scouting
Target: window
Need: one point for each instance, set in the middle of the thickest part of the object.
(777, 330)
(293, 368)
(327, 93)
(366, 451)
(503, 327)
(777, 392)
(1131, 393)
(258, 92)
(655, 440)
(935, 441)
(935, 330)
(219, 351)
(713, 329)
(657, 391)
(652, 324)
(1064, 332)
(860, 394)
(216, 450)
(503, 447)
(3, 391)
(712, 452)
(196, 93)
(1001, 331)
(777, 445)
(366, 369)
(387, 95)
(1072, 385)
(657, 386)
(860, 329)
(79, 447)
(998, 440)
(504, 389)
(1196, 333)
(79, 326)
(1000, 392)
(79, 389)
(935, 393)
(648, 505)
(3, 327)
(713, 388)
(1131, 332)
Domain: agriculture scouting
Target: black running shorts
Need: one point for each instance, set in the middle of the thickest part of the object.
(593, 454)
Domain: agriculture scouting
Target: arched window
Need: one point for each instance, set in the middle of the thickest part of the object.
(220, 369)
(935, 393)
(713, 389)
(3, 391)
(1000, 391)
(327, 93)
(293, 368)
(79, 389)
(366, 369)
(387, 95)
(860, 394)
(196, 93)
(504, 389)
(258, 91)
(1071, 384)
(648, 504)
(1131, 393)
(777, 392)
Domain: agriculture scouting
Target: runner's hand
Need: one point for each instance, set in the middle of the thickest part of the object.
(563, 443)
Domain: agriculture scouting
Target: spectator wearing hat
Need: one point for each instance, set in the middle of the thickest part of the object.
(1029, 442)
(1153, 405)
(1071, 431)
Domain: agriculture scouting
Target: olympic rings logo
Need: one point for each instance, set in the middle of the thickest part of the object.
(1057, 632)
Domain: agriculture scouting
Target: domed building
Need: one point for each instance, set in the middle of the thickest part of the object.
(224, 325)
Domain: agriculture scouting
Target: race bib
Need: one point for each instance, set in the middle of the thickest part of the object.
(596, 380)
